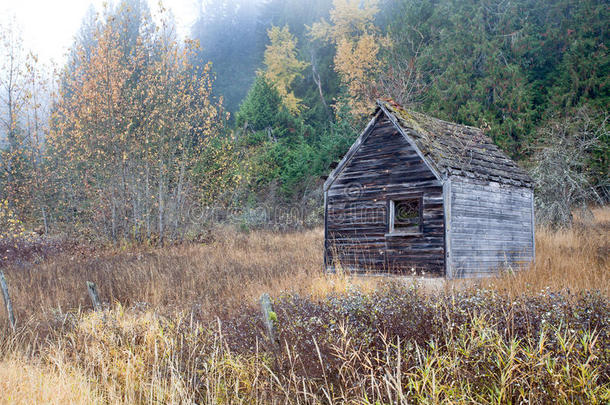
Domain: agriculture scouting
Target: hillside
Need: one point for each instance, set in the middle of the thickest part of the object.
(142, 128)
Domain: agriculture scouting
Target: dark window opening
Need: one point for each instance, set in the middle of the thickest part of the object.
(405, 216)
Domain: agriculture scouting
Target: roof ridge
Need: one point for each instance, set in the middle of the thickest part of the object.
(450, 145)
(394, 105)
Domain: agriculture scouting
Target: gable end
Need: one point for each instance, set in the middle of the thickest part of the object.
(362, 138)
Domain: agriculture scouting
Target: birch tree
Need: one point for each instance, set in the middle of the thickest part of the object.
(14, 96)
(132, 115)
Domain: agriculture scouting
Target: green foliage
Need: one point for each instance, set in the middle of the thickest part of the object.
(284, 152)
(262, 108)
(217, 169)
(506, 66)
(510, 68)
(285, 163)
(280, 153)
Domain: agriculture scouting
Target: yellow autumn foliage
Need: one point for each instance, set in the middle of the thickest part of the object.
(10, 226)
(131, 124)
(358, 43)
(283, 66)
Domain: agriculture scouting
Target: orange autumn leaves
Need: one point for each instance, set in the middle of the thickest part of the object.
(132, 119)
(357, 42)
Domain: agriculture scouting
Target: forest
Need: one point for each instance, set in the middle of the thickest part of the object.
(142, 134)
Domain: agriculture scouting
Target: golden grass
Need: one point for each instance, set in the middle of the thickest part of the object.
(138, 357)
(577, 258)
(233, 269)
(22, 381)
(220, 276)
(228, 271)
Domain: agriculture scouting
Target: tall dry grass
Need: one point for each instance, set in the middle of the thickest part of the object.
(158, 340)
(229, 270)
(355, 350)
(576, 258)
(233, 268)
(24, 381)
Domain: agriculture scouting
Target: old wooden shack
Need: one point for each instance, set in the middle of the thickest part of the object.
(415, 194)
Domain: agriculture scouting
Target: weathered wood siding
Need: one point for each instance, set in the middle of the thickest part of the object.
(491, 227)
(384, 167)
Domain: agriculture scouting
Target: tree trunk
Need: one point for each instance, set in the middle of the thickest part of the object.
(147, 200)
(161, 202)
(318, 82)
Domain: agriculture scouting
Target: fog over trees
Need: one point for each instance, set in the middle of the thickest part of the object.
(140, 128)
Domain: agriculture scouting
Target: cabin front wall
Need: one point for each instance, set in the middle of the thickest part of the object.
(385, 167)
(491, 228)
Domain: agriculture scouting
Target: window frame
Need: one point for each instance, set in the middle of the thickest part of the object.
(392, 230)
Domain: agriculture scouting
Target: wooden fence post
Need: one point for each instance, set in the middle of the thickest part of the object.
(269, 318)
(7, 300)
(95, 299)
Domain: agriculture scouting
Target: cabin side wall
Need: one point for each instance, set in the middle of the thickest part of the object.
(385, 167)
(491, 227)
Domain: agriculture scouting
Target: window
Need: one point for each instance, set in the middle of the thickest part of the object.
(405, 216)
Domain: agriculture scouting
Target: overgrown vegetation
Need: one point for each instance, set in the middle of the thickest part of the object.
(394, 346)
(182, 325)
(563, 179)
(515, 70)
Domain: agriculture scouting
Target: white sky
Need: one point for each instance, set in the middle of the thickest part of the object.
(48, 27)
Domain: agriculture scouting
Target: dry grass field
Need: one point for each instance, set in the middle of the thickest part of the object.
(181, 325)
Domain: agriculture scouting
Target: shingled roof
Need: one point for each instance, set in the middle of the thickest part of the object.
(454, 149)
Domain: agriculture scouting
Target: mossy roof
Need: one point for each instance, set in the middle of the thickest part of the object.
(454, 149)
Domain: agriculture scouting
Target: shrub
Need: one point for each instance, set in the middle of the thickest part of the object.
(563, 172)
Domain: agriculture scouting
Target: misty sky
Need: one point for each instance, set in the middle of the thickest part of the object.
(48, 26)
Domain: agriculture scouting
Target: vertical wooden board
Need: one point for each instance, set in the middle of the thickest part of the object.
(472, 227)
(490, 227)
(447, 219)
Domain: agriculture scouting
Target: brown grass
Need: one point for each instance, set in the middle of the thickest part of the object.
(135, 357)
(576, 259)
(233, 268)
(130, 350)
(214, 277)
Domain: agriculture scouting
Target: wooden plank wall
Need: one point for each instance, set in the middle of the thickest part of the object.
(385, 166)
(491, 227)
